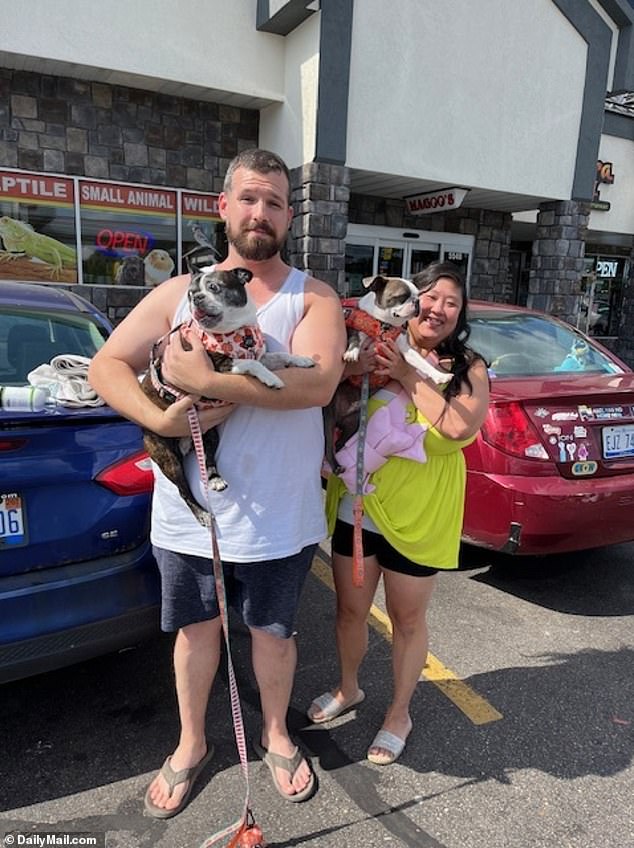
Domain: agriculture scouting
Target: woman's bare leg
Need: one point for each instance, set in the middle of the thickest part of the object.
(407, 599)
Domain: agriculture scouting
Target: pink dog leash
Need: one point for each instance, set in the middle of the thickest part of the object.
(358, 566)
(243, 833)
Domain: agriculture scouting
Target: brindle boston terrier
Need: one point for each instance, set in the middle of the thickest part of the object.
(224, 317)
(380, 314)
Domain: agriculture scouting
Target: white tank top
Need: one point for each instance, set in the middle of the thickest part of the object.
(271, 460)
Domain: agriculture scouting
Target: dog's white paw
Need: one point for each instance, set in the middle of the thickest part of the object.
(271, 380)
(303, 362)
(351, 355)
(217, 484)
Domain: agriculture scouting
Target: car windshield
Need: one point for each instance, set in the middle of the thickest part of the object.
(524, 344)
(30, 337)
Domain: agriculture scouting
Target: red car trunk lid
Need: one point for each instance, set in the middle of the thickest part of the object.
(586, 426)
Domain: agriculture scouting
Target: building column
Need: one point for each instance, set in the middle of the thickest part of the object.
(490, 272)
(557, 261)
(320, 194)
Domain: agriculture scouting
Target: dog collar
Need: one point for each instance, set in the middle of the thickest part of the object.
(242, 343)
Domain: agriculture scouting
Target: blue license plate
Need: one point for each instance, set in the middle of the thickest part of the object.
(618, 441)
(12, 531)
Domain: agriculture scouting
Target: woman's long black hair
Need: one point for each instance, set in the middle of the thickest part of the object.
(454, 346)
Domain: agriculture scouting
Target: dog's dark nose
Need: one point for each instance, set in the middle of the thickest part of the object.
(416, 307)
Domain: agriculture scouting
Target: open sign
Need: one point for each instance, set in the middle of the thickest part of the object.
(116, 242)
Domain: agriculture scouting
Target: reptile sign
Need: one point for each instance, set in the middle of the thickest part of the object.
(37, 228)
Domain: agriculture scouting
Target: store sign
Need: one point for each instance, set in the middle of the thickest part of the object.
(608, 269)
(435, 201)
(41, 189)
(113, 242)
(604, 176)
(200, 205)
(131, 198)
(37, 228)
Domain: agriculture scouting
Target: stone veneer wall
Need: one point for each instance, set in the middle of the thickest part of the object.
(557, 262)
(490, 272)
(76, 127)
(320, 196)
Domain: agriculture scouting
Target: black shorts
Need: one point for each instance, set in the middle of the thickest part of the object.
(265, 594)
(375, 545)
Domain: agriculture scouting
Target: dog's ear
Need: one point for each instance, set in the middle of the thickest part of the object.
(243, 275)
(376, 283)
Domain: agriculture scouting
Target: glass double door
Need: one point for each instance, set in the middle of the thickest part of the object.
(368, 254)
(395, 259)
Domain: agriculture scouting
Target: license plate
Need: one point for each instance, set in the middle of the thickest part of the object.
(618, 441)
(12, 530)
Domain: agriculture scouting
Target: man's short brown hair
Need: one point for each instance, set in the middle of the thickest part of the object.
(259, 160)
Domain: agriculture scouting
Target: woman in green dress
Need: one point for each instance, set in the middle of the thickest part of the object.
(412, 510)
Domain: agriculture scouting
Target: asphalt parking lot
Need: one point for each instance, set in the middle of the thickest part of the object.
(523, 726)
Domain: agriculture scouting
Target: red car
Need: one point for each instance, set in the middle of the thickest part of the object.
(552, 469)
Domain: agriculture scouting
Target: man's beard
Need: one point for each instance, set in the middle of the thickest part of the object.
(254, 249)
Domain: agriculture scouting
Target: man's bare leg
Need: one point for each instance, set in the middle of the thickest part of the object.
(196, 658)
(274, 662)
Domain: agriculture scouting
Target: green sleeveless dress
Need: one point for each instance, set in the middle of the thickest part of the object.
(417, 506)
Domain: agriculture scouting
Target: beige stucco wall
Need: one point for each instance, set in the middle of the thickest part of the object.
(208, 43)
(489, 95)
(289, 127)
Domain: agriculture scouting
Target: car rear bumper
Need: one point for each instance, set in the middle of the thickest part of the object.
(548, 515)
(56, 650)
(54, 617)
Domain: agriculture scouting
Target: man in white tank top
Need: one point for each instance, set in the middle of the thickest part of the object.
(271, 446)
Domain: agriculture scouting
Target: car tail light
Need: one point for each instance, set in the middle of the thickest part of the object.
(508, 428)
(129, 476)
(11, 444)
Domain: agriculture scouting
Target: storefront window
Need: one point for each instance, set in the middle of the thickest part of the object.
(390, 261)
(37, 228)
(603, 292)
(128, 234)
(201, 227)
(359, 264)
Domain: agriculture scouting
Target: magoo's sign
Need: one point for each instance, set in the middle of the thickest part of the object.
(435, 201)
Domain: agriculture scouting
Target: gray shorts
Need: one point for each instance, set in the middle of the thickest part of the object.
(265, 594)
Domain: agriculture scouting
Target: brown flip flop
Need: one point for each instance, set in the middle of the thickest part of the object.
(173, 779)
(290, 765)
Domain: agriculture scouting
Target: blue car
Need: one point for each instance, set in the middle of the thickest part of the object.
(77, 576)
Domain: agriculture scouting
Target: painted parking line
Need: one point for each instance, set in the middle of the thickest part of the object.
(477, 709)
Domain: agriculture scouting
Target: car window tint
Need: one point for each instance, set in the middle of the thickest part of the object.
(522, 344)
(31, 338)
